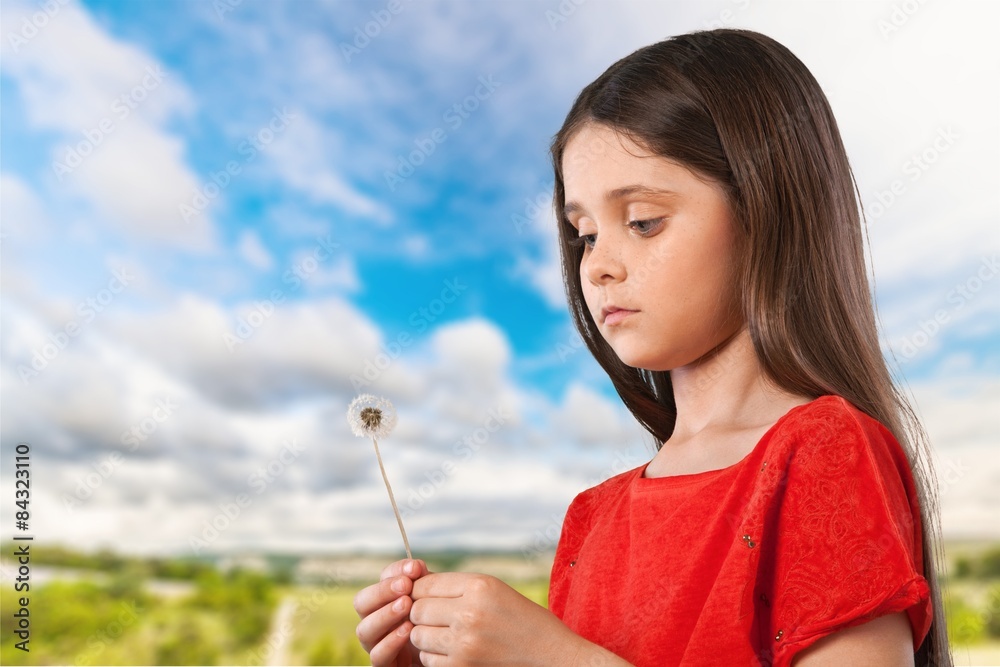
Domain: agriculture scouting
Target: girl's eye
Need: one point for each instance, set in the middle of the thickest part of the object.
(587, 240)
(645, 227)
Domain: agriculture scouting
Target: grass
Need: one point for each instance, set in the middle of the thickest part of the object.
(116, 622)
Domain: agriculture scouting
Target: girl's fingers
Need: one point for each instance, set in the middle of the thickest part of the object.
(376, 627)
(375, 597)
(412, 568)
(386, 652)
(433, 611)
(448, 585)
(383, 607)
(432, 640)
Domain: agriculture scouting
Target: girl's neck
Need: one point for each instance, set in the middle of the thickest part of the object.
(727, 390)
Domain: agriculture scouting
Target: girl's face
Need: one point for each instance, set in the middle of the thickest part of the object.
(658, 251)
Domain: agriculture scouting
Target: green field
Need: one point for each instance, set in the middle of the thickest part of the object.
(85, 623)
(116, 611)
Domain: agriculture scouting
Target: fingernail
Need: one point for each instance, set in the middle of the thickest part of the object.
(398, 585)
(398, 604)
(409, 568)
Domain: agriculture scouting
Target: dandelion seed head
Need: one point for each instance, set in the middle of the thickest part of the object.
(371, 416)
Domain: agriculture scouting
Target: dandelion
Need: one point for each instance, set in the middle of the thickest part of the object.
(374, 417)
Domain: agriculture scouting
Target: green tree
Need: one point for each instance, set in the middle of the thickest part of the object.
(989, 564)
(992, 612)
(186, 644)
(965, 624)
(245, 599)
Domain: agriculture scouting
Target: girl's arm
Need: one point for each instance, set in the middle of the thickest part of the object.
(473, 620)
(886, 640)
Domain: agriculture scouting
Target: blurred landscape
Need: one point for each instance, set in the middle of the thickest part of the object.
(103, 608)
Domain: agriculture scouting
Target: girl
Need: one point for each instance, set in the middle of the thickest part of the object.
(713, 256)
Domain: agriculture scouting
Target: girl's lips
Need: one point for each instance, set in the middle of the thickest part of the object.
(613, 316)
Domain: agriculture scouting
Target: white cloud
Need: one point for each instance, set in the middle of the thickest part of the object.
(477, 347)
(962, 423)
(587, 417)
(22, 211)
(542, 269)
(72, 73)
(206, 420)
(341, 273)
(138, 180)
(416, 246)
(252, 250)
(109, 101)
(311, 159)
(258, 352)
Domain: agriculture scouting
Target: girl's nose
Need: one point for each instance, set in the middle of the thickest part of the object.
(603, 263)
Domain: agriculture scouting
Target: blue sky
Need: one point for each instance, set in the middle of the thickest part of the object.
(176, 173)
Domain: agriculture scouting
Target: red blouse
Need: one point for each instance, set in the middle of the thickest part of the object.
(816, 530)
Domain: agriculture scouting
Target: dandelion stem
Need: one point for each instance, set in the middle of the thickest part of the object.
(392, 499)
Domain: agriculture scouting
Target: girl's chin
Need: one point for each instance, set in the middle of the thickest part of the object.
(642, 360)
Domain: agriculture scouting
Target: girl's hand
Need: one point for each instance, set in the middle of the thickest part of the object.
(467, 620)
(384, 630)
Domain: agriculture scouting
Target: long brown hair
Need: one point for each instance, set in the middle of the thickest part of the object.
(739, 108)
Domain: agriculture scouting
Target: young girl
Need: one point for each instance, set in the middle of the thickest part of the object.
(713, 254)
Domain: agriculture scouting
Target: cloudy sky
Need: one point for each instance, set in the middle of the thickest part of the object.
(222, 220)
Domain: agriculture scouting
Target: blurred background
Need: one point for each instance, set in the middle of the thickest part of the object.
(223, 220)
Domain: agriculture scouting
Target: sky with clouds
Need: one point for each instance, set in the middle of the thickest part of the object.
(222, 220)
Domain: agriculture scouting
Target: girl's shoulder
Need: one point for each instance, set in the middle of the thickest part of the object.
(834, 499)
(828, 410)
(598, 495)
(831, 427)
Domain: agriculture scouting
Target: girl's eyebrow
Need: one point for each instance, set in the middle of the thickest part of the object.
(620, 193)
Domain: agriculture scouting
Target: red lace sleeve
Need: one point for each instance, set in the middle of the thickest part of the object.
(847, 545)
